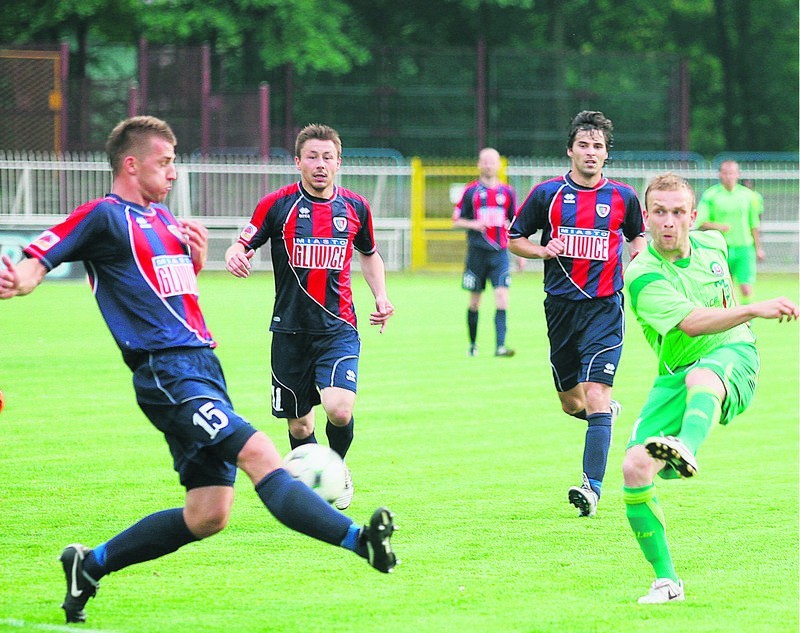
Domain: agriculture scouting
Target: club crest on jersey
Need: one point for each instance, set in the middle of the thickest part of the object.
(321, 253)
(602, 209)
(340, 223)
(46, 241)
(717, 270)
(500, 198)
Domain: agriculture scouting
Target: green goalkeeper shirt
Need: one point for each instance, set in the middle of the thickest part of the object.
(739, 209)
(663, 293)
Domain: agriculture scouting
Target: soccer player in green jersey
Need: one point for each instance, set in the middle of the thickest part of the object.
(735, 211)
(681, 294)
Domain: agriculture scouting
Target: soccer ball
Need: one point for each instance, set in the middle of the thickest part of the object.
(319, 468)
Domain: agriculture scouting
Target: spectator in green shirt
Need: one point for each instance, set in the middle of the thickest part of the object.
(681, 294)
(734, 210)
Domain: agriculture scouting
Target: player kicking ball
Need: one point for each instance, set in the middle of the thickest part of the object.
(682, 295)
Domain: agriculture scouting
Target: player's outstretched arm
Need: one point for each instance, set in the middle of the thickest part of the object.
(21, 279)
(712, 320)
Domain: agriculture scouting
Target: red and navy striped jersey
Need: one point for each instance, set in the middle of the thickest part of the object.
(140, 271)
(591, 223)
(311, 242)
(494, 205)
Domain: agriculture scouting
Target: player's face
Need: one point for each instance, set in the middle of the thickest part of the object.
(318, 163)
(588, 154)
(670, 216)
(489, 164)
(155, 170)
(729, 175)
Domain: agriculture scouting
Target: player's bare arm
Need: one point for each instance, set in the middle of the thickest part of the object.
(237, 260)
(712, 320)
(525, 248)
(21, 279)
(374, 272)
(636, 245)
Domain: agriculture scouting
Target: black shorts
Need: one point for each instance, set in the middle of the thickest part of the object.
(585, 339)
(483, 264)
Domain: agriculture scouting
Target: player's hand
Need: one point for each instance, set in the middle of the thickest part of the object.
(554, 248)
(238, 263)
(195, 236)
(383, 310)
(760, 254)
(9, 279)
(779, 308)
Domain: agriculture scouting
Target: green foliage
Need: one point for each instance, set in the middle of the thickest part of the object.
(473, 455)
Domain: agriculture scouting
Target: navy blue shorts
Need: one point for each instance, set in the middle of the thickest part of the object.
(302, 364)
(585, 339)
(483, 264)
(182, 392)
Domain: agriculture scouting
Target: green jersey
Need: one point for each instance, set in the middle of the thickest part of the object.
(739, 209)
(663, 293)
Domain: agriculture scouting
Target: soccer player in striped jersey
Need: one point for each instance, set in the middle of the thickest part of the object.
(142, 264)
(682, 295)
(313, 227)
(584, 218)
(485, 210)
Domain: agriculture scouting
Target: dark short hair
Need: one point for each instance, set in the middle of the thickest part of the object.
(591, 120)
(319, 132)
(129, 136)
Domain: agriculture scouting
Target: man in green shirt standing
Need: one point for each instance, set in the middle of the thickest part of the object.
(735, 211)
(681, 294)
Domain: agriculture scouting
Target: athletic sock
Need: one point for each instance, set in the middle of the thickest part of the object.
(703, 409)
(340, 437)
(298, 507)
(500, 327)
(154, 536)
(472, 325)
(294, 442)
(647, 522)
(595, 449)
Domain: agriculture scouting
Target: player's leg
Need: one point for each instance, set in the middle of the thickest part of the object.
(661, 415)
(474, 281)
(742, 264)
(294, 394)
(501, 280)
(564, 360)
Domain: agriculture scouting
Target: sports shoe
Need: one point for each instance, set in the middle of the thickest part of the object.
(472, 350)
(674, 452)
(663, 590)
(343, 501)
(584, 498)
(616, 410)
(376, 536)
(80, 586)
(504, 351)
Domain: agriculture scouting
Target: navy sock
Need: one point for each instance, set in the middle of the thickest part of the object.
(154, 536)
(595, 451)
(500, 327)
(298, 507)
(294, 442)
(340, 437)
(472, 324)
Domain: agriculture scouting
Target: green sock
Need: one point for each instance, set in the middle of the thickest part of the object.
(703, 408)
(647, 522)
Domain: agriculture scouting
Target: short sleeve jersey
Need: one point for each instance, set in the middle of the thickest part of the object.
(592, 223)
(140, 271)
(495, 206)
(311, 242)
(663, 293)
(738, 208)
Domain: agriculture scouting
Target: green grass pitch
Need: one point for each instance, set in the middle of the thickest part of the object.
(472, 454)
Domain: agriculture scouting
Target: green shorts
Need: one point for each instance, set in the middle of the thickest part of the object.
(742, 262)
(736, 365)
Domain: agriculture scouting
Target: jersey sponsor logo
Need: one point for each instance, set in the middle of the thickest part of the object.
(584, 243)
(46, 241)
(492, 216)
(248, 232)
(569, 198)
(340, 223)
(602, 209)
(175, 275)
(326, 253)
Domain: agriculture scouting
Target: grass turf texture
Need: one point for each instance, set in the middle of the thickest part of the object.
(472, 454)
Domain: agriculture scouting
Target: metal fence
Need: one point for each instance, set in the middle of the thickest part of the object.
(38, 189)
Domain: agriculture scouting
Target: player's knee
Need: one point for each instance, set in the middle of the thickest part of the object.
(340, 415)
(208, 521)
(637, 467)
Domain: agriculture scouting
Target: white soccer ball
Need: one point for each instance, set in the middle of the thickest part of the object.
(319, 468)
